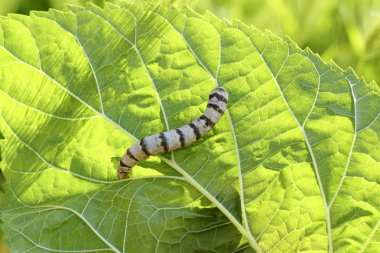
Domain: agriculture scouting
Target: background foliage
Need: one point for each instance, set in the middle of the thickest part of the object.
(345, 31)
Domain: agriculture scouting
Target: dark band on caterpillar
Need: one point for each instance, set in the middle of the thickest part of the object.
(215, 107)
(143, 147)
(181, 137)
(131, 155)
(218, 96)
(176, 138)
(195, 130)
(164, 143)
(122, 164)
(207, 121)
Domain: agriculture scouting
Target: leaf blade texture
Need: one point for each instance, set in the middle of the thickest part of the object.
(292, 166)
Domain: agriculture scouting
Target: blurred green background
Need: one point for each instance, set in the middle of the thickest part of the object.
(347, 31)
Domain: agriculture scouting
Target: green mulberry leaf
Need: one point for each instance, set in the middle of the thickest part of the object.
(293, 165)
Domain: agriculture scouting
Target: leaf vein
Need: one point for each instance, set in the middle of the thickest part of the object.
(248, 234)
(134, 46)
(327, 212)
(88, 60)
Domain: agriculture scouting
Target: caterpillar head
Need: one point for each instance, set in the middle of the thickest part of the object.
(123, 172)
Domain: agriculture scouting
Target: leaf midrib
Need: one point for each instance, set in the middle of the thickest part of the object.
(253, 242)
(134, 46)
(244, 231)
(243, 228)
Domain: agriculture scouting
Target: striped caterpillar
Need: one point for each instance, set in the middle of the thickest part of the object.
(183, 136)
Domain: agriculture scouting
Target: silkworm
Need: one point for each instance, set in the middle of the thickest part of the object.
(183, 136)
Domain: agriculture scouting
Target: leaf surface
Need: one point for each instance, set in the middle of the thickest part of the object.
(293, 165)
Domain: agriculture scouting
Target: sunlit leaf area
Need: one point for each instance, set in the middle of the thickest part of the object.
(346, 32)
(293, 165)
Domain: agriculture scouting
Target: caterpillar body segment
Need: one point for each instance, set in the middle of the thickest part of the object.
(173, 139)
